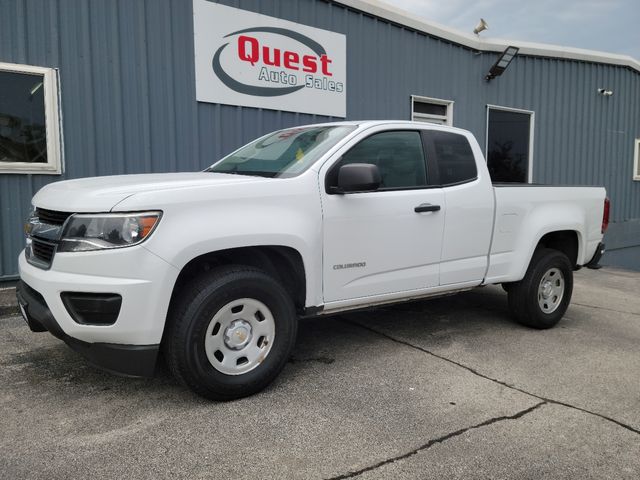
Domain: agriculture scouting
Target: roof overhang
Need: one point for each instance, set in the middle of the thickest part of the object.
(475, 42)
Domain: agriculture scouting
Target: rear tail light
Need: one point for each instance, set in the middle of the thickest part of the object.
(605, 214)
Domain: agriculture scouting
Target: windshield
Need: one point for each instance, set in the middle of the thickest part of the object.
(285, 153)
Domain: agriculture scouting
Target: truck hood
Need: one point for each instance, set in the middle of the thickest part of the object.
(100, 194)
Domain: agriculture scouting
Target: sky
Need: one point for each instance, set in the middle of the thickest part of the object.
(604, 25)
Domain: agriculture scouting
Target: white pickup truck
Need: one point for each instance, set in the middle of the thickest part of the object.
(214, 268)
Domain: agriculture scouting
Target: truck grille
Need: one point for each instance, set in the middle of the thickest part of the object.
(42, 250)
(52, 217)
(45, 231)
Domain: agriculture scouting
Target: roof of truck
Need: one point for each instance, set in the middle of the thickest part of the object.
(374, 123)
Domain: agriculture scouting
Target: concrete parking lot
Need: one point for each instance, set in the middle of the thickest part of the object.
(449, 388)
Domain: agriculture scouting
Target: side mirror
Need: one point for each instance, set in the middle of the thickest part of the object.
(358, 177)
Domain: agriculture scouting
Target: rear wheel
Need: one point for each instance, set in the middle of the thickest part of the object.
(230, 333)
(542, 297)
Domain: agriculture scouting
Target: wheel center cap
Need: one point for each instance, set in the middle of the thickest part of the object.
(547, 290)
(238, 334)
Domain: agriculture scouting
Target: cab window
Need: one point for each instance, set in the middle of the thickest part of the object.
(455, 159)
(398, 155)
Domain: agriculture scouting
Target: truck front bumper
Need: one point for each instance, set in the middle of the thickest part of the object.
(129, 345)
(130, 360)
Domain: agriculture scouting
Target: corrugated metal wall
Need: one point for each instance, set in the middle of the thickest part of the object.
(128, 97)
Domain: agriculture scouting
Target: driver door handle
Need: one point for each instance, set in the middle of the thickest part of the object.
(426, 207)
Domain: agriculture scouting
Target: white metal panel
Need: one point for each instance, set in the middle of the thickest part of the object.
(467, 232)
(144, 281)
(525, 214)
(468, 225)
(209, 217)
(395, 248)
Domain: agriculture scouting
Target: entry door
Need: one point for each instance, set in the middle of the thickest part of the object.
(375, 243)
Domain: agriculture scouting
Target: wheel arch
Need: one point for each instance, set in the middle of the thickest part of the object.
(285, 264)
(565, 241)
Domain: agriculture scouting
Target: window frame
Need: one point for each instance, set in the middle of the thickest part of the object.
(636, 160)
(425, 117)
(532, 118)
(428, 169)
(53, 125)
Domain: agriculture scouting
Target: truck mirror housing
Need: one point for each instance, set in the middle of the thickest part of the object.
(358, 177)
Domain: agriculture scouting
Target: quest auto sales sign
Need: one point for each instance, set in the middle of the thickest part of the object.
(248, 59)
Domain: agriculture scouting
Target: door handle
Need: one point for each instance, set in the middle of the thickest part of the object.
(426, 207)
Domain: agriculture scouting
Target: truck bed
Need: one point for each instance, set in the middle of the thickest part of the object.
(523, 214)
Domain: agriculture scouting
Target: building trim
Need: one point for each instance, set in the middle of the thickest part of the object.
(476, 42)
(53, 128)
(636, 160)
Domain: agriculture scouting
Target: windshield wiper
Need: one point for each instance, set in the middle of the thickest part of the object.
(248, 173)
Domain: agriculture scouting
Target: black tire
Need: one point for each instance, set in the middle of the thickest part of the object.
(506, 286)
(526, 296)
(190, 317)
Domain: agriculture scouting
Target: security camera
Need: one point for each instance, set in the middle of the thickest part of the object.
(605, 92)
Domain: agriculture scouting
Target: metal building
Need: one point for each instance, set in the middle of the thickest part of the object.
(112, 87)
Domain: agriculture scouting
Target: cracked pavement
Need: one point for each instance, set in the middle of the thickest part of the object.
(448, 388)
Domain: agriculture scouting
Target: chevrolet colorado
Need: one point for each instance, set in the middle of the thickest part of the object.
(214, 268)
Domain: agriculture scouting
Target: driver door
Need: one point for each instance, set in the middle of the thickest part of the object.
(376, 243)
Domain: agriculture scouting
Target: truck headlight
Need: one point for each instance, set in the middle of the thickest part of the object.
(85, 232)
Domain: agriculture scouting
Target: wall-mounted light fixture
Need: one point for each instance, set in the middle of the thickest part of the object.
(605, 92)
(502, 63)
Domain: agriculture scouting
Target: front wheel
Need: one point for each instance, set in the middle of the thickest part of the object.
(230, 333)
(542, 297)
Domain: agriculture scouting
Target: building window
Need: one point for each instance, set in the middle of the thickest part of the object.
(509, 144)
(636, 160)
(29, 120)
(431, 110)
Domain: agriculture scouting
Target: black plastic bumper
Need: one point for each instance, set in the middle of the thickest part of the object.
(129, 360)
(593, 263)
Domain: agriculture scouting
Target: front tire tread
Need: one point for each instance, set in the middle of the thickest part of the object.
(190, 311)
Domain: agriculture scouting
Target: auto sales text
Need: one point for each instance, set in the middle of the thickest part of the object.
(285, 62)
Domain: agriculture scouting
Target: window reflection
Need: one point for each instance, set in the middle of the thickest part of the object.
(22, 118)
(508, 146)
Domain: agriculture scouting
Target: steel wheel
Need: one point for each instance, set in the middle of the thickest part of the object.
(540, 299)
(239, 336)
(230, 332)
(551, 290)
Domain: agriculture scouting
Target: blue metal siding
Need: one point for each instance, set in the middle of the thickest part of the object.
(128, 97)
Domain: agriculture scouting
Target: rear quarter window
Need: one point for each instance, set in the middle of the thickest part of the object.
(454, 157)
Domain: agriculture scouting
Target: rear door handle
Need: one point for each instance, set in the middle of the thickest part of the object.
(426, 207)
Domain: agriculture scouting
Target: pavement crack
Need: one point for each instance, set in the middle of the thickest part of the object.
(325, 360)
(495, 380)
(605, 308)
(441, 439)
